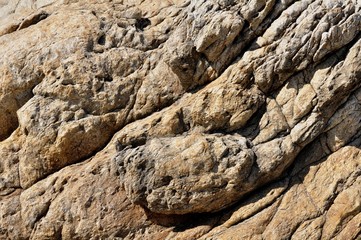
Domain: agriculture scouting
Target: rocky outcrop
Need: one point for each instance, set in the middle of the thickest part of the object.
(183, 119)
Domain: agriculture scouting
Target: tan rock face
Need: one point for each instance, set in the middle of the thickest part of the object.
(185, 119)
(187, 174)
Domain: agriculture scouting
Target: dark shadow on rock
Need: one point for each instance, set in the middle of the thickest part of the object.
(183, 222)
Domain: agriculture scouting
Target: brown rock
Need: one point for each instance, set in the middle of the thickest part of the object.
(195, 173)
(186, 119)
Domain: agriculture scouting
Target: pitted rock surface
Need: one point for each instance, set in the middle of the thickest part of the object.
(182, 119)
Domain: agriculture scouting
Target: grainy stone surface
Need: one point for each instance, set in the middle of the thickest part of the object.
(183, 119)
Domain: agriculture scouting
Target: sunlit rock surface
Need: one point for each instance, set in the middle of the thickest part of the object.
(183, 119)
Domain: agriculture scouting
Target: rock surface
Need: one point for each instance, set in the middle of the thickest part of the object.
(182, 119)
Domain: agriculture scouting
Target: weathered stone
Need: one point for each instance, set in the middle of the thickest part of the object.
(195, 173)
(183, 119)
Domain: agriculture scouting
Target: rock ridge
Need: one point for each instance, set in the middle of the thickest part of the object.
(182, 119)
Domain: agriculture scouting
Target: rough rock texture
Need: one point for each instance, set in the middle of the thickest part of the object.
(180, 119)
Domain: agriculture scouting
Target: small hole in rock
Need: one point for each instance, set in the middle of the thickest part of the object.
(108, 78)
(102, 25)
(142, 23)
(101, 40)
(166, 180)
